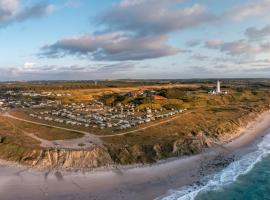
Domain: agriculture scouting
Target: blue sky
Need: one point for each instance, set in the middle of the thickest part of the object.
(87, 39)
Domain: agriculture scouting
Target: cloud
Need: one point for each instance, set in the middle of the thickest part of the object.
(74, 68)
(250, 9)
(8, 9)
(11, 11)
(126, 3)
(73, 3)
(135, 30)
(152, 18)
(140, 29)
(29, 65)
(193, 43)
(199, 70)
(116, 68)
(257, 34)
(257, 69)
(35, 71)
(115, 46)
(199, 57)
(213, 44)
(239, 47)
(221, 66)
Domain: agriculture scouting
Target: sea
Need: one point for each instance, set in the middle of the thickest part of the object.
(245, 179)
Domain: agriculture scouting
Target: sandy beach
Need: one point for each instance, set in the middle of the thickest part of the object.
(136, 183)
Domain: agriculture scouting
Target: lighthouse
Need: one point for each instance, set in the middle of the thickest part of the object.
(218, 87)
(217, 90)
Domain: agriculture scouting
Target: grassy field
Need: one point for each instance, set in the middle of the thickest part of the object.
(16, 145)
(13, 134)
(217, 116)
(84, 95)
(176, 137)
(15, 130)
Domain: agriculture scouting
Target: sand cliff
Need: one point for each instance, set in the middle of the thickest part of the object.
(64, 159)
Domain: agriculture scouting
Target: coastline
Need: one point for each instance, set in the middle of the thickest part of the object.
(129, 182)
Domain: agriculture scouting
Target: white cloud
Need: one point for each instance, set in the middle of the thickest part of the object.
(8, 9)
(12, 11)
(112, 46)
(149, 17)
(126, 3)
(240, 48)
(249, 9)
(29, 65)
(140, 29)
(32, 71)
(214, 43)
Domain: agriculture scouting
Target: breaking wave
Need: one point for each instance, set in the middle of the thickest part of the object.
(227, 176)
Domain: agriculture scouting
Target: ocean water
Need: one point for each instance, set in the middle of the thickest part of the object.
(254, 185)
(245, 179)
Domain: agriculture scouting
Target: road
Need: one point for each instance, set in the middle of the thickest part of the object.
(93, 137)
(144, 128)
(71, 143)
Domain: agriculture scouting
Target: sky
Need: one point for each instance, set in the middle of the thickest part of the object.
(136, 39)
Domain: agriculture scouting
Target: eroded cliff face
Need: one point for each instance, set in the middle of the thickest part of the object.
(68, 159)
(193, 142)
(229, 130)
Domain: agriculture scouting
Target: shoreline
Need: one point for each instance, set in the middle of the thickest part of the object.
(127, 182)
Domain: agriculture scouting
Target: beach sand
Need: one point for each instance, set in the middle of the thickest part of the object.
(127, 183)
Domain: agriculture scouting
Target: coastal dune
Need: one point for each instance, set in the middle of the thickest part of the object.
(147, 182)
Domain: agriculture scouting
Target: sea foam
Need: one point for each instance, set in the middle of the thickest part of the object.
(227, 176)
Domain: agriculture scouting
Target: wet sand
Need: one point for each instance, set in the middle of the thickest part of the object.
(129, 183)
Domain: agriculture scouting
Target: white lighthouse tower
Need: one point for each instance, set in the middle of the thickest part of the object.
(218, 87)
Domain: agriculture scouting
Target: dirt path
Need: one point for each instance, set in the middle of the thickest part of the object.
(75, 144)
(138, 183)
(146, 127)
(92, 137)
(85, 142)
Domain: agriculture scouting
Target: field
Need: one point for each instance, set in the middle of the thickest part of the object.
(82, 95)
(17, 142)
(209, 120)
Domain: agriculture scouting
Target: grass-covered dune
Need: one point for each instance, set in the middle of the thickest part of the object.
(215, 117)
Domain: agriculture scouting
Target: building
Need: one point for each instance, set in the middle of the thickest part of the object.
(217, 90)
(218, 87)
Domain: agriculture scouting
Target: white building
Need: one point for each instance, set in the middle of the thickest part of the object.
(218, 87)
(217, 90)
